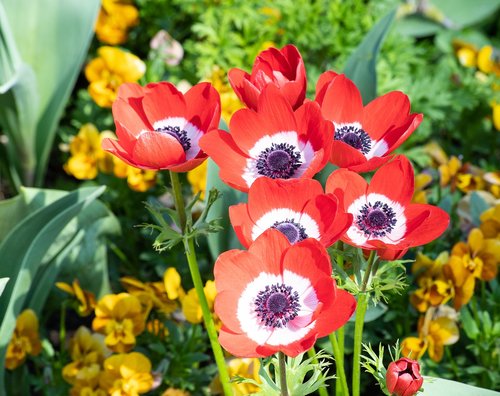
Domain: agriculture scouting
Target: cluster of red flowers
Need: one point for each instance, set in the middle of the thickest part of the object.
(279, 295)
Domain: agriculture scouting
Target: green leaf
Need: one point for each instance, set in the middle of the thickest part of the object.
(360, 66)
(226, 238)
(464, 13)
(477, 206)
(438, 387)
(26, 247)
(417, 26)
(3, 283)
(50, 41)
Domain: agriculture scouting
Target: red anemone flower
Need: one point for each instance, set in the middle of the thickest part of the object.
(383, 216)
(298, 208)
(283, 68)
(159, 128)
(364, 136)
(277, 297)
(273, 141)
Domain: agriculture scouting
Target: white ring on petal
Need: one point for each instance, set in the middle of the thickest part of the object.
(282, 214)
(192, 133)
(375, 147)
(305, 149)
(357, 235)
(296, 329)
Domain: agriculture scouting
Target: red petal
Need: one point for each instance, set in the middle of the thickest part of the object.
(345, 156)
(313, 127)
(241, 346)
(203, 106)
(395, 137)
(321, 86)
(309, 259)
(130, 90)
(242, 223)
(189, 165)
(114, 147)
(395, 180)
(220, 146)
(156, 150)
(351, 183)
(226, 308)
(244, 89)
(131, 117)
(424, 223)
(384, 113)
(336, 314)
(304, 344)
(269, 247)
(163, 100)
(370, 165)
(342, 102)
(125, 137)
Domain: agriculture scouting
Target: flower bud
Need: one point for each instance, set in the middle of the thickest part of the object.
(403, 377)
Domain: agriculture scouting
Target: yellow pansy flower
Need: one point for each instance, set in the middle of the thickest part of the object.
(84, 149)
(240, 367)
(24, 341)
(493, 179)
(425, 267)
(467, 56)
(120, 317)
(496, 115)
(87, 353)
(109, 70)
(448, 171)
(432, 294)
(114, 20)
(422, 180)
(490, 222)
(172, 283)
(127, 374)
(191, 304)
(175, 392)
(198, 179)
(488, 61)
(85, 299)
(140, 180)
(468, 182)
(88, 386)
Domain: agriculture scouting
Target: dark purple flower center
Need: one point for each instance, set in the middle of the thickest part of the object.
(292, 230)
(180, 135)
(280, 161)
(376, 220)
(276, 305)
(354, 137)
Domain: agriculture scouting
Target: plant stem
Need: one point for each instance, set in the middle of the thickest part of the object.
(198, 284)
(339, 362)
(312, 354)
(338, 336)
(358, 326)
(282, 368)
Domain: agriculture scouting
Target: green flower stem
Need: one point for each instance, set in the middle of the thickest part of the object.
(282, 368)
(339, 362)
(358, 326)
(198, 284)
(312, 354)
(339, 334)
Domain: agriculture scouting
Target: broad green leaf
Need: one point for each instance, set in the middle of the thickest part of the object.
(3, 283)
(417, 26)
(51, 38)
(25, 248)
(464, 13)
(360, 66)
(439, 387)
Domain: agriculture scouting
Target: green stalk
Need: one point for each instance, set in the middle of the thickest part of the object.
(312, 354)
(358, 327)
(339, 362)
(339, 334)
(198, 284)
(282, 368)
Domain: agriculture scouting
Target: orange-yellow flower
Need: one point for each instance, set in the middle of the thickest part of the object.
(487, 62)
(85, 299)
(490, 222)
(120, 317)
(114, 20)
(422, 180)
(127, 375)
(172, 283)
(87, 354)
(240, 367)
(109, 70)
(24, 340)
(175, 392)
(191, 304)
(137, 179)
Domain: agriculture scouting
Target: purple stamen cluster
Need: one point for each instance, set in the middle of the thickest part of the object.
(276, 305)
(292, 230)
(354, 137)
(376, 220)
(180, 135)
(280, 161)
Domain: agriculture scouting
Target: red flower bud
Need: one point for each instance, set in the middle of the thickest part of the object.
(403, 377)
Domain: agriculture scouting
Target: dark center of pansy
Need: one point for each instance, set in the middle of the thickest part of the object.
(376, 220)
(354, 137)
(276, 305)
(292, 230)
(180, 135)
(280, 161)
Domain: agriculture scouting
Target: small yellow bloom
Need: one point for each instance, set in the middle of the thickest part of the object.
(109, 70)
(425, 267)
(488, 60)
(467, 56)
(240, 367)
(437, 153)
(172, 283)
(152, 293)
(89, 386)
(24, 340)
(468, 182)
(120, 317)
(493, 180)
(127, 374)
(191, 305)
(87, 354)
(490, 222)
(175, 392)
(449, 170)
(422, 180)
(496, 116)
(198, 179)
(114, 20)
(157, 327)
(140, 180)
(432, 294)
(85, 299)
